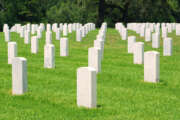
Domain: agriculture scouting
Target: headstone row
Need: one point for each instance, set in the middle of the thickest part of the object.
(83, 31)
(150, 59)
(19, 64)
(86, 76)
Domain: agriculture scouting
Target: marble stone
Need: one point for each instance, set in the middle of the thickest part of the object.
(27, 37)
(49, 56)
(86, 87)
(34, 44)
(155, 40)
(131, 41)
(58, 34)
(100, 45)
(19, 76)
(124, 34)
(48, 37)
(167, 46)
(138, 53)
(148, 35)
(151, 66)
(94, 58)
(64, 47)
(7, 35)
(12, 51)
(78, 35)
(65, 30)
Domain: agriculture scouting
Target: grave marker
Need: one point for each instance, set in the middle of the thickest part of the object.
(86, 87)
(19, 76)
(151, 66)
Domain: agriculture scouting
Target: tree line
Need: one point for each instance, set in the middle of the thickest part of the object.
(83, 11)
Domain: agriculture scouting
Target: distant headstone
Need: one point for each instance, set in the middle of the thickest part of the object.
(34, 44)
(142, 31)
(48, 27)
(155, 40)
(7, 35)
(27, 37)
(22, 32)
(58, 34)
(177, 29)
(33, 29)
(49, 56)
(48, 37)
(39, 33)
(12, 51)
(94, 58)
(65, 30)
(124, 34)
(100, 45)
(167, 46)
(138, 53)
(83, 33)
(78, 35)
(131, 41)
(64, 47)
(164, 32)
(70, 28)
(148, 35)
(85, 30)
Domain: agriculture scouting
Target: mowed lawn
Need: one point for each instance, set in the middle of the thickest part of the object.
(121, 92)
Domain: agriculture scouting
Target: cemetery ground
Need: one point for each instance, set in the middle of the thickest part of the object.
(122, 93)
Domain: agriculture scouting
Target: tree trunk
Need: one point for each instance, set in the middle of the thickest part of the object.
(101, 9)
(125, 13)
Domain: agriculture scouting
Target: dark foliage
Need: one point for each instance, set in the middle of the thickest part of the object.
(83, 11)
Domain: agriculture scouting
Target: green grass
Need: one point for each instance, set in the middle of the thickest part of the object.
(121, 92)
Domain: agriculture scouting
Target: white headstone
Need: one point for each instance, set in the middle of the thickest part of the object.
(19, 76)
(70, 28)
(78, 35)
(22, 32)
(142, 31)
(12, 51)
(94, 58)
(155, 40)
(34, 44)
(83, 32)
(86, 87)
(27, 37)
(100, 45)
(124, 34)
(61, 26)
(39, 33)
(131, 41)
(48, 37)
(48, 27)
(65, 30)
(177, 29)
(100, 36)
(49, 56)
(7, 35)
(164, 32)
(169, 27)
(148, 35)
(64, 47)
(138, 53)
(167, 46)
(32, 29)
(58, 34)
(151, 66)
